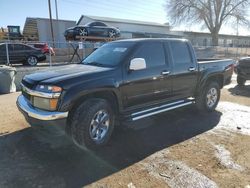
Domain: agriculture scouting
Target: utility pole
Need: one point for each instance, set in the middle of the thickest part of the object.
(57, 24)
(237, 36)
(56, 10)
(51, 24)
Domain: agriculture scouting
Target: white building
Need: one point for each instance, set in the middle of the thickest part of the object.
(38, 29)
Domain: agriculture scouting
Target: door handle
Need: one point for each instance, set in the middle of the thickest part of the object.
(165, 72)
(191, 69)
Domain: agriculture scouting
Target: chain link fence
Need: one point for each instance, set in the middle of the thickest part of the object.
(57, 54)
(221, 52)
(14, 54)
(61, 53)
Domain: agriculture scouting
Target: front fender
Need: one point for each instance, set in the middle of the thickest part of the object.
(73, 94)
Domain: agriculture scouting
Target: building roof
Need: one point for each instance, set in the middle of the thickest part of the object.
(208, 34)
(118, 20)
(37, 18)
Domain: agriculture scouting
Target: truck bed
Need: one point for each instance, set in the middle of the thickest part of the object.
(225, 66)
(222, 64)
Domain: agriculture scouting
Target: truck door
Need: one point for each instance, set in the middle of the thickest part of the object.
(142, 87)
(184, 69)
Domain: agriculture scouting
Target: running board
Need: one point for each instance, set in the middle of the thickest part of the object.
(159, 109)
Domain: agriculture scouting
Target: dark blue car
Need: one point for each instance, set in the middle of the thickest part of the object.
(94, 29)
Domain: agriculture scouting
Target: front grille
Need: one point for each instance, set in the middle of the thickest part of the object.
(27, 84)
(27, 96)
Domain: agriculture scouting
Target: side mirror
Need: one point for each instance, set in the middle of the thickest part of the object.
(137, 64)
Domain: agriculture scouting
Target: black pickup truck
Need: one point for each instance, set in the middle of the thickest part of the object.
(124, 80)
(243, 70)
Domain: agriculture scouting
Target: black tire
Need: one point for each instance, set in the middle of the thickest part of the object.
(204, 102)
(83, 32)
(241, 81)
(81, 123)
(32, 60)
(112, 33)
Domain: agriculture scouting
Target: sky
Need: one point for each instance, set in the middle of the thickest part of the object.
(14, 12)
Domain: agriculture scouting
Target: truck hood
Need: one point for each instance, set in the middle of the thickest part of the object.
(56, 74)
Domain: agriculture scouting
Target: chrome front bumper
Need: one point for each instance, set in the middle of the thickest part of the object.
(38, 114)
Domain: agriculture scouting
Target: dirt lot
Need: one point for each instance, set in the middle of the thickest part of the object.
(175, 149)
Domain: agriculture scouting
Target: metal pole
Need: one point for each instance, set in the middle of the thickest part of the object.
(7, 53)
(57, 25)
(51, 25)
(237, 37)
(50, 62)
(56, 9)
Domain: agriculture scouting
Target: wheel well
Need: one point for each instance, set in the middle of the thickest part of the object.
(30, 55)
(217, 78)
(107, 95)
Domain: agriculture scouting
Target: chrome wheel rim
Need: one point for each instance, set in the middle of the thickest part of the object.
(212, 97)
(83, 32)
(32, 60)
(99, 125)
(112, 34)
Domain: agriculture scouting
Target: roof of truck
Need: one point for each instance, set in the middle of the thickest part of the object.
(151, 39)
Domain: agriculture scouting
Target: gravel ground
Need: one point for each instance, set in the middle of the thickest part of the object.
(176, 149)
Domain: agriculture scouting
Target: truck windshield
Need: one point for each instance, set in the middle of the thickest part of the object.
(109, 55)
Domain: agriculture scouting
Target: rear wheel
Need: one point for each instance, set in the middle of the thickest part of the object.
(32, 60)
(241, 81)
(112, 33)
(92, 123)
(83, 32)
(208, 99)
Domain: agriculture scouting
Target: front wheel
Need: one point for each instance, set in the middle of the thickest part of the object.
(92, 123)
(241, 81)
(32, 60)
(207, 100)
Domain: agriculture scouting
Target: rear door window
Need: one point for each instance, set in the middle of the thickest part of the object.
(27, 47)
(18, 47)
(180, 52)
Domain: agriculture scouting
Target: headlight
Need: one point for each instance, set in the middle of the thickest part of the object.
(48, 89)
(47, 102)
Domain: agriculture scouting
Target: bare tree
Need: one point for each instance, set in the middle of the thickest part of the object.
(210, 13)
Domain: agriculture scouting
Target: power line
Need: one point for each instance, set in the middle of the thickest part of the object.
(107, 7)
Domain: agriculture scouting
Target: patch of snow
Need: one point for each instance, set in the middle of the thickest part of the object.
(224, 156)
(131, 185)
(176, 173)
(234, 117)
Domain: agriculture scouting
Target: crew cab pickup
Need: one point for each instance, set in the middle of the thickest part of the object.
(124, 80)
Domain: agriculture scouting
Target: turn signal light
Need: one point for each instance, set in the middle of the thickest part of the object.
(53, 104)
(55, 89)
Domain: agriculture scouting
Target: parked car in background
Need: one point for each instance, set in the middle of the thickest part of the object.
(44, 47)
(243, 70)
(21, 53)
(95, 29)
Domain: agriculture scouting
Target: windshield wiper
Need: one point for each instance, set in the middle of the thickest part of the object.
(94, 63)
